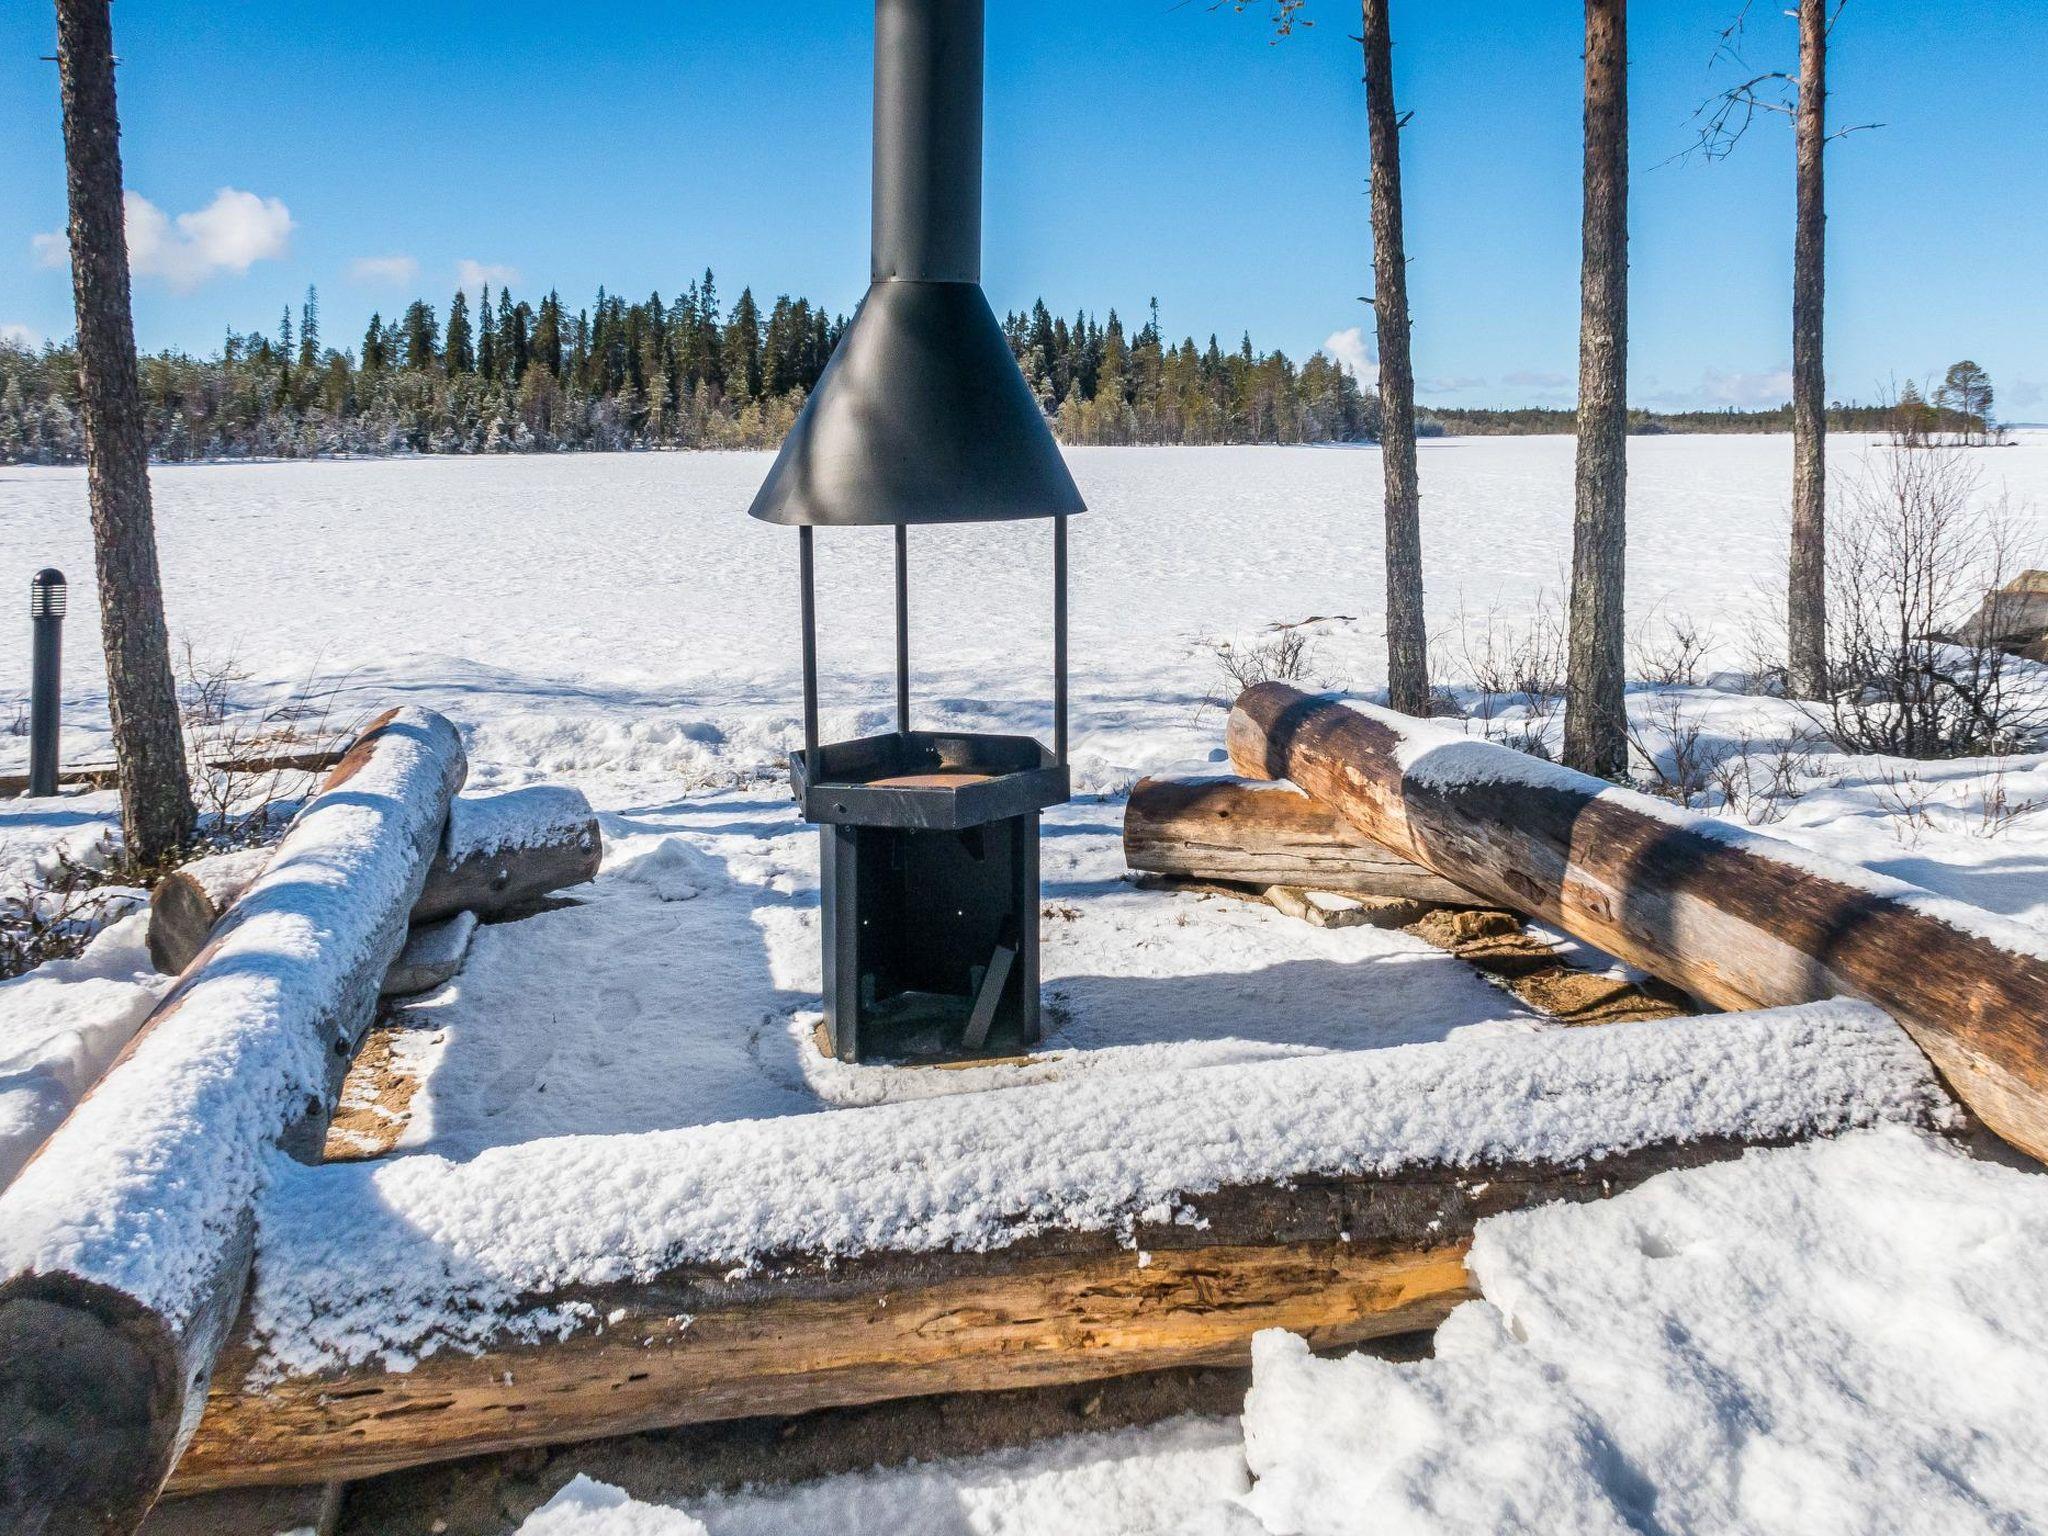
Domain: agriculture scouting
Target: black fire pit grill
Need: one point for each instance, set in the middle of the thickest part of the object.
(930, 864)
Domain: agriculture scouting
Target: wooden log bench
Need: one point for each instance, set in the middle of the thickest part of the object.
(1725, 914)
(1266, 833)
(497, 854)
(773, 1267)
(126, 1242)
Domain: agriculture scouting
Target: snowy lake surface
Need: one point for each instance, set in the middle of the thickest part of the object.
(621, 613)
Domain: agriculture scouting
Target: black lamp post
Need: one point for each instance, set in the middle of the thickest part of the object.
(48, 596)
(930, 839)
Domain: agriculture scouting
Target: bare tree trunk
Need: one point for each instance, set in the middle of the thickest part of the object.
(149, 746)
(1596, 719)
(1407, 639)
(1806, 611)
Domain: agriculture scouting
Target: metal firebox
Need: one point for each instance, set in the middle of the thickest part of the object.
(930, 839)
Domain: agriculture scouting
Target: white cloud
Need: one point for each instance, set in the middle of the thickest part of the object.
(383, 271)
(1526, 378)
(1449, 383)
(1718, 390)
(19, 336)
(230, 234)
(1349, 349)
(474, 274)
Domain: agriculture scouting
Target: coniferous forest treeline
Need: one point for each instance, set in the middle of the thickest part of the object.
(508, 376)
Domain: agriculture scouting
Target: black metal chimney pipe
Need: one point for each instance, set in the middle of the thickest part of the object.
(922, 416)
(927, 164)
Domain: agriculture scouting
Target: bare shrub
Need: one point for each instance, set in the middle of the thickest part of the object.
(1912, 551)
(1982, 806)
(1676, 762)
(1670, 650)
(19, 725)
(250, 761)
(58, 917)
(1516, 665)
(1759, 784)
(1286, 654)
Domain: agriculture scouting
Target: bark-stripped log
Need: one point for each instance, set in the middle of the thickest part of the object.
(775, 1267)
(1338, 1260)
(504, 851)
(1219, 827)
(500, 852)
(189, 902)
(125, 1244)
(1733, 917)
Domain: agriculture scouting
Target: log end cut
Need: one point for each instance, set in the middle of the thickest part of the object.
(90, 1409)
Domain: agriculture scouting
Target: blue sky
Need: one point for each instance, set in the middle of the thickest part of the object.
(1137, 148)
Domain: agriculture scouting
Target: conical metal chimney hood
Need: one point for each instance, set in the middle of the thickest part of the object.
(922, 415)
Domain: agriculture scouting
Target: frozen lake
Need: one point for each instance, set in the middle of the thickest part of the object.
(620, 613)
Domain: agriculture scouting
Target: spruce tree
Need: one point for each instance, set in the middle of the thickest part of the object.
(508, 354)
(422, 335)
(546, 345)
(456, 348)
(309, 328)
(486, 337)
(374, 359)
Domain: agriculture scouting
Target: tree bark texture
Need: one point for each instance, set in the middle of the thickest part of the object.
(1407, 639)
(142, 700)
(1806, 585)
(1596, 721)
(1220, 828)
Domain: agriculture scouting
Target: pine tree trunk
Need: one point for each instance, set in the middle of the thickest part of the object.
(1407, 639)
(1806, 609)
(149, 746)
(1596, 721)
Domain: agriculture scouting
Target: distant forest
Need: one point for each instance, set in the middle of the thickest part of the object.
(513, 377)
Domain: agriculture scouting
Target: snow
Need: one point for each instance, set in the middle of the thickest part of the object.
(155, 1173)
(519, 818)
(382, 1260)
(1831, 1339)
(1180, 1478)
(60, 1028)
(617, 624)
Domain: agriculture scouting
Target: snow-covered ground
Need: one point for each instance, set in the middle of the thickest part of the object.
(616, 622)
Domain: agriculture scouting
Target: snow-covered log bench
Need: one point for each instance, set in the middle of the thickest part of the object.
(1729, 915)
(1218, 826)
(125, 1244)
(418, 1309)
(498, 853)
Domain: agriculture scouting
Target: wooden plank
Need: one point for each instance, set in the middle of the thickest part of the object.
(1219, 827)
(988, 998)
(1733, 917)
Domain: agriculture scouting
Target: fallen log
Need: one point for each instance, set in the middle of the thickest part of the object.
(107, 775)
(503, 851)
(1721, 912)
(188, 903)
(1218, 827)
(125, 1244)
(568, 1290)
(499, 853)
